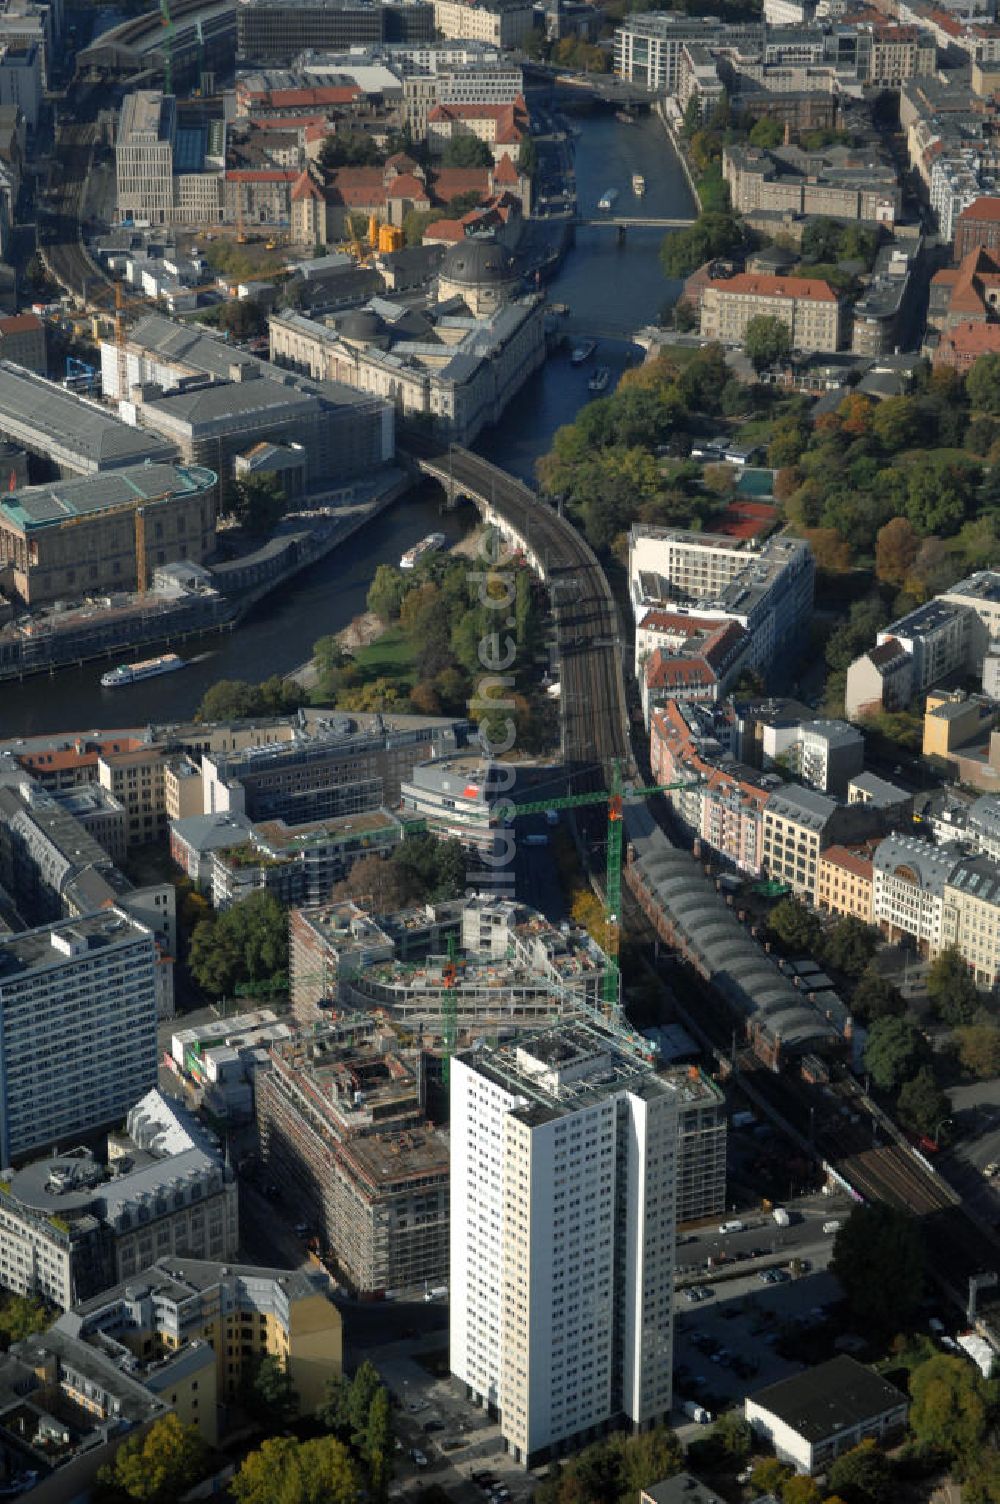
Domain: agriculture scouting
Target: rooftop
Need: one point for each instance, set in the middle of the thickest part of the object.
(53, 945)
(58, 501)
(821, 1401)
(46, 418)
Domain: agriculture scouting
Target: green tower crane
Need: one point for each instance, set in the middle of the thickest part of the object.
(614, 798)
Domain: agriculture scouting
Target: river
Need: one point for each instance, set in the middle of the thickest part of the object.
(611, 285)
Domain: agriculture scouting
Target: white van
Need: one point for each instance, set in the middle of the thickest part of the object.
(831, 1227)
(737, 1227)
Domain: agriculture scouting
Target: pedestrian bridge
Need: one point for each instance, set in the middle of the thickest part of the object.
(624, 222)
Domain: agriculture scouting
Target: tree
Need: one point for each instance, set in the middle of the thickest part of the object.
(21, 1316)
(801, 1489)
(734, 1434)
(862, 1476)
(766, 132)
(849, 945)
(795, 926)
(386, 592)
(981, 1484)
(789, 441)
(766, 341)
(351, 149)
(949, 1407)
(857, 633)
(417, 222)
(376, 879)
(982, 384)
(651, 1455)
(268, 1393)
(242, 318)
(940, 492)
(876, 997)
(160, 1466)
(821, 240)
(892, 1051)
(921, 1104)
(259, 503)
(246, 943)
(979, 1048)
(712, 235)
(768, 1476)
(878, 1257)
(896, 548)
(378, 1445)
(235, 699)
(950, 987)
(467, 151)
(896, 423)
(286, 1471)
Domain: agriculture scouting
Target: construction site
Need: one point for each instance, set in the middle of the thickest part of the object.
(343, 1131)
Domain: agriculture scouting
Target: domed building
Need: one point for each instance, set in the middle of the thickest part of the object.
(481, 273)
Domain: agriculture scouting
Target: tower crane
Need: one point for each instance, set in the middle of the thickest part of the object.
(168, 60)
(614, 798)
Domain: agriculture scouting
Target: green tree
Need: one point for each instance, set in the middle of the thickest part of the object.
(159, 1466)
(921, 1104)
(949, 1407)
(286, 1471)
(766, 132)
(351, 149)
(431, 870)
(892, 1051)
(268, 1393)
(23, 1315)
(940, 492)
(821, 240)
(876, 997)
(862, 1476)
(651, 1455)
(801, 1489)
(981, 1484)
(795, 926)
(856, 634)
(242, 318)
(386, 592)
(378, 1444)
(896, 423)
(789, 441)
(235, 699)
(734, 1435)
(849, 945)
(259, 503)
(247, 943)
(417, 222)
(467, 151)
(333, 1412)
(712, 235)
(982, 385)
(878, 1257)
(365, 1384)
(951, 989)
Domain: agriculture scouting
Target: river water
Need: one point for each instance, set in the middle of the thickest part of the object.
(607, 287)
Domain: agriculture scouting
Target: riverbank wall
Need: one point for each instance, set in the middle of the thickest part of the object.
(679, 146)
(66, 639)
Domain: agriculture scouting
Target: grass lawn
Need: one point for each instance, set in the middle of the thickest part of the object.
(392, 656)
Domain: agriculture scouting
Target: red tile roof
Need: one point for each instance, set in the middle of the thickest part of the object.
(981, 210)
(756, 284)
(20, 323)
(407, 186)
(850, 861)
(262, 175)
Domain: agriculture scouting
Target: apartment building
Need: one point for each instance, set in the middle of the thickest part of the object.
(72, 1225)
(500, 23)
(78, 1038)
(563, 1169)
(343, 1127)
(136, 778)
(648, 48)
(701, 1145)
(798, 824)
(808, 306)
(845, 882)
(837, 181)
(881, 679)
(826, 754)
(979, 595)
(297, 863)
(702, 668)
(767, 589)
(722, 806)
(908, 897)
(176, 1310)
(977, 227)
(971, 919)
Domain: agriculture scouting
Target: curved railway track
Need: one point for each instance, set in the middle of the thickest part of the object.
(60, 245)
(594, 711)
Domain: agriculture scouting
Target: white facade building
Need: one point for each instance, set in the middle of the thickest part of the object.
(908, 890)
(77, 1028)
(563, 1185)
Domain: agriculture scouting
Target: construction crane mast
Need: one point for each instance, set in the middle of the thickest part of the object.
(168, 60)
(614, 798)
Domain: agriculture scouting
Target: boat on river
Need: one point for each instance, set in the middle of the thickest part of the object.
(432, 544)
(132, 673)
(583, 351)
(608, 200)
(638, 184)
(599, 381)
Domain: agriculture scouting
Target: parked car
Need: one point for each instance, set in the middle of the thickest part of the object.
(417, 1457)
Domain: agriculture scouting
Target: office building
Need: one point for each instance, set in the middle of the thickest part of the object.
(807, 306)
(648, 48)
(72, 1225)
(343, 1128)
(701, 1145)
(844, 882)
(93, 535)
(218, 1062)
(299, 863)
(78, 1043)
(563, 1174)
(766, 588)
(179, 1316)
(909, 877)
(500, 23)
(798, 824)
(838, 181)
(331, 767)
(168, 173)
(276, 31)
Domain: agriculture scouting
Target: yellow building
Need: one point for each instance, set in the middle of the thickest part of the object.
(844, 882)
(182, 789)
(951, 720)
(137, 779)
(215, 1323)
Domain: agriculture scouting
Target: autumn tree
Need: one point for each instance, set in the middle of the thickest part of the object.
(862, 1476)
(159, 1466)
(979, 1048)
(297, 1472)
(801, 1489)
(949, 1407)
(766, 341)
(896, 548)
(831, 551)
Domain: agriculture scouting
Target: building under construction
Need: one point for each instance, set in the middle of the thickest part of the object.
(484, 963)
(105, 533)
(343, 1131)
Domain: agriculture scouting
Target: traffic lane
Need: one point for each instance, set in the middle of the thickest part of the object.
(761, 1231)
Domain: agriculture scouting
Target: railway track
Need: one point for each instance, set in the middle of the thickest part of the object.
(594, 710)
(60, 245)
